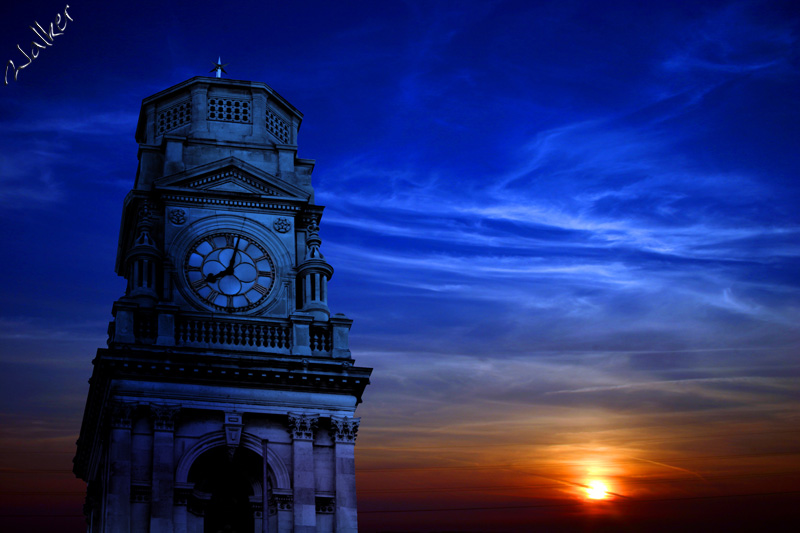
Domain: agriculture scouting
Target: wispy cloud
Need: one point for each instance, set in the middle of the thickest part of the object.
(26, 180)
(732, 41)
(83, 123)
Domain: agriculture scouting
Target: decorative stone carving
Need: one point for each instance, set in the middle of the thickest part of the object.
(309, 219)
(164, 417)
(233, 175)
(233, 429)
(302, 427)
(145, 226)
(177, 216)
(326, 505)
(122, 414)
(344, 429)
(182, 495)
(283, 501)
(175, 116)
(281, 225)
(277, 126)
(229, 109)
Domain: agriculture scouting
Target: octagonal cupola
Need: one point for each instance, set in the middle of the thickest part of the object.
(207, 119)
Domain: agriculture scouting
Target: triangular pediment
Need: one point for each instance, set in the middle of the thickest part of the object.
(232, 175)
(231, 185)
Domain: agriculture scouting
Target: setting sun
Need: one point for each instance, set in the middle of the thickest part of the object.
(596, 490)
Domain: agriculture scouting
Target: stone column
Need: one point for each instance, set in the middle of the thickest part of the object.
(302, 428)
(199, 97)
(118, 498)
(259, 116)
(265, 487)
(343, 432)
(180, 518)
(163, 486)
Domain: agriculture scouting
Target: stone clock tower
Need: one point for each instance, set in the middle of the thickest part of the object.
(225, 399)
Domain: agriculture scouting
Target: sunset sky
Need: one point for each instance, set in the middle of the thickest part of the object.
(568, 233)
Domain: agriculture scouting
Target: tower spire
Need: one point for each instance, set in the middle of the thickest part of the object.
(219, 68)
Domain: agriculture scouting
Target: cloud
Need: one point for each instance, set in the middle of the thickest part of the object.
(23, 329)
(104, 123)
(732, 40)
(600, 184)
(26, 180)
(465, 395)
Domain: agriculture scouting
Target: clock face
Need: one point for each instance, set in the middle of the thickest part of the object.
(229, 271)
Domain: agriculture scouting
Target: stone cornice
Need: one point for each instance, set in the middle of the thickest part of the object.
(229, 200)
(186, 365)
(238, 369)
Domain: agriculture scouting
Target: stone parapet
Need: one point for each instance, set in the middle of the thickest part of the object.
(301, 334)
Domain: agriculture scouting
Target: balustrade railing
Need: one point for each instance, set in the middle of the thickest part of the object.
(165, 325)
(320, 339)
(145, 328)
(242, 335)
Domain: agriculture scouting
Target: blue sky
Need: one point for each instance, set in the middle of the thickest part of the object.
(556, 224)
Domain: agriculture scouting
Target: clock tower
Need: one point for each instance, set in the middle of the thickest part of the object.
(225, 399)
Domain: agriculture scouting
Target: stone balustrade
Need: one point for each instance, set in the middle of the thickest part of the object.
(215, 333)
(320, 338)
(166, 325)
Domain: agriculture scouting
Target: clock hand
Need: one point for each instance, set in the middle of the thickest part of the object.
(233, 256)
(211, 278)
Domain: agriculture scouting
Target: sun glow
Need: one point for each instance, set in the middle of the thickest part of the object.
(596, 490)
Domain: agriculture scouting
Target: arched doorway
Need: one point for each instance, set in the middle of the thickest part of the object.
(228, 481)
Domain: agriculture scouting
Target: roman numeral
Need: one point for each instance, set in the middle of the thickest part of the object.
(228, 239)
(197, 284)
(262, 258)
(265, 274)
(263, 290)
(230, 301)
(213, 296)
(194, 268)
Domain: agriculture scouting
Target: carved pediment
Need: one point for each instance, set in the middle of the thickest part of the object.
(233, 180)
(232, 175)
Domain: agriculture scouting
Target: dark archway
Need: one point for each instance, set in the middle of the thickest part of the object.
(229, 479)
(229, 510)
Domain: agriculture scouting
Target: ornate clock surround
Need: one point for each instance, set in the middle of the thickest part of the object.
(229, 271)
(256, 233)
